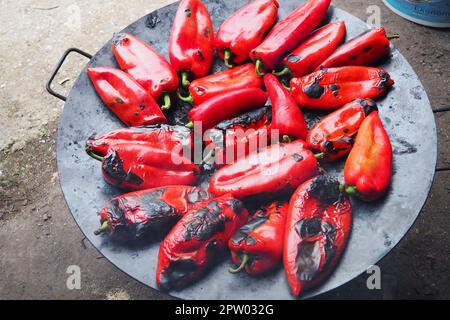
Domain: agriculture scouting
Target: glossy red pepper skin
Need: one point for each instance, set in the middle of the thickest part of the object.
(147, 66)
(227, 106)
(277, 168)
(244, 30)
(224, 82)
(364, 50)
(163, 136)
(317, 229)
(333, 136)
(191, 41)
(287, 34)
(286, 115)
(139, 167)
(258, 245)
(197, 240)
(329, 89)
(125, 97)
(315, 49)
(148, 213)
(368, 168)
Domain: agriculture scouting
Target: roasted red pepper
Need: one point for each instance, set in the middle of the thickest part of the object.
(317, 229)
(227, 106)
(368, 168)
(222, 83)
(138, 167)
(125, 97)
(191, 41)
(276, 168)
(333, 136)
(286, 115)
(257, 247)
(244, 30)
(148, 213)
(197, 240)
(170, 138)
(328, 89)
(364, 50)
(314, 50)
(147, 66)
(288, 33)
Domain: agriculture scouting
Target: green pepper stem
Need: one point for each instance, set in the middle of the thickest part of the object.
(284, 72)
(393, 36)
(104, 227)
(190, 125)
(244, 260)
(208, 156)
(351, 190)
(167, 102)
(93, 155)
(184, 79)
(259, 66)
(320, 155)
(187, 99)
(287, 138)
(227, 54)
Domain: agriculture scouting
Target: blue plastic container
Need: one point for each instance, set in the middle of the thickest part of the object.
(432, 13)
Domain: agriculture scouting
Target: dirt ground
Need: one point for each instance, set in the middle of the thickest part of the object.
(38, 237)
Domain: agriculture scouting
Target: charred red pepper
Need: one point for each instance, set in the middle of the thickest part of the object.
(276, 168)
(333, 136)
(286, 115)
(227, 106)
(288, 33)
(257, 247)
(147, 66)
(317, 229)
(125, 97)
(368, 168)
(244, 30)
(364, 50)
(197, 240)
(191, 41)
(314, 50)
(222, 83)
(163, 136)
(138, 167)
(148, 213)
(328, 89)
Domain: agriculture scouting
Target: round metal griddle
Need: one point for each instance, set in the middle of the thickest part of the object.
(377, 227)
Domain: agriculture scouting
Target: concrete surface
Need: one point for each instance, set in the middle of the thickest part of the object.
(38, 238)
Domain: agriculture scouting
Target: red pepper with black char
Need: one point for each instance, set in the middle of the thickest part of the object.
(227, 106)
(125, 97)
(197, 240)
(191, 41)
(364, 50)
(317, 229)
(279, 167)
(246, 132)
(286, 115)
(257, 247)
(333, 136)
(368, 168)
(329, 89)
(147, 66)
(314, 50)
(163, 136)
(287, 34)
(244, 30)
(222, 83)
(138, 167)
(148, 213)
